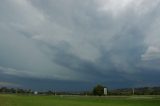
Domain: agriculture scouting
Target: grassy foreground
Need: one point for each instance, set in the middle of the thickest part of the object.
(24, 100)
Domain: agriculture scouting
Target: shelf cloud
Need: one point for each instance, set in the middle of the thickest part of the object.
(98, 41)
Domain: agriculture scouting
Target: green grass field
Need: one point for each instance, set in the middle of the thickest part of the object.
(24, 100)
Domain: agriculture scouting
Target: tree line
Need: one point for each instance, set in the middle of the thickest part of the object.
(98, 90)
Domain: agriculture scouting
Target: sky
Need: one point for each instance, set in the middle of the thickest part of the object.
(76, 44)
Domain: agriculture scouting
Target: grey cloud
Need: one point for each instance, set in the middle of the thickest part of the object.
(79, 40)
(8, 84)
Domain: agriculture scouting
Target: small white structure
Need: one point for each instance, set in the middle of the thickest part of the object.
(35, 92)
(133, 91)
(105, 91)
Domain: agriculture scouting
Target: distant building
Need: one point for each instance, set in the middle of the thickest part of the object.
(105, 91)
(35, 92)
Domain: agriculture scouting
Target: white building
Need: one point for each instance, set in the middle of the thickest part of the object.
(105, 91)
(35, 92)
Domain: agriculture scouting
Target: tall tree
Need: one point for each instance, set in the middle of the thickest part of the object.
(98, 90)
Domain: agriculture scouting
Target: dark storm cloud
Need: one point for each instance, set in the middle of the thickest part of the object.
(105, 41)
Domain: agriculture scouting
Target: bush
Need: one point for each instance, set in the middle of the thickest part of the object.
(98, 90)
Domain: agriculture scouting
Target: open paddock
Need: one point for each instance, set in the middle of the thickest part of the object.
(39, 100)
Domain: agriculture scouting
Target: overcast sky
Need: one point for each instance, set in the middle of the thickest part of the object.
(63, 44)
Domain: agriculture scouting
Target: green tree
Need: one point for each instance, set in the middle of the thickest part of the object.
(98, 90)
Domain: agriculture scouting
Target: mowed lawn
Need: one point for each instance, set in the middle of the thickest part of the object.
(24, 100)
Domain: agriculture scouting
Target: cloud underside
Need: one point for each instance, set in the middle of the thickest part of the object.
(8, 84)
(78, 40)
